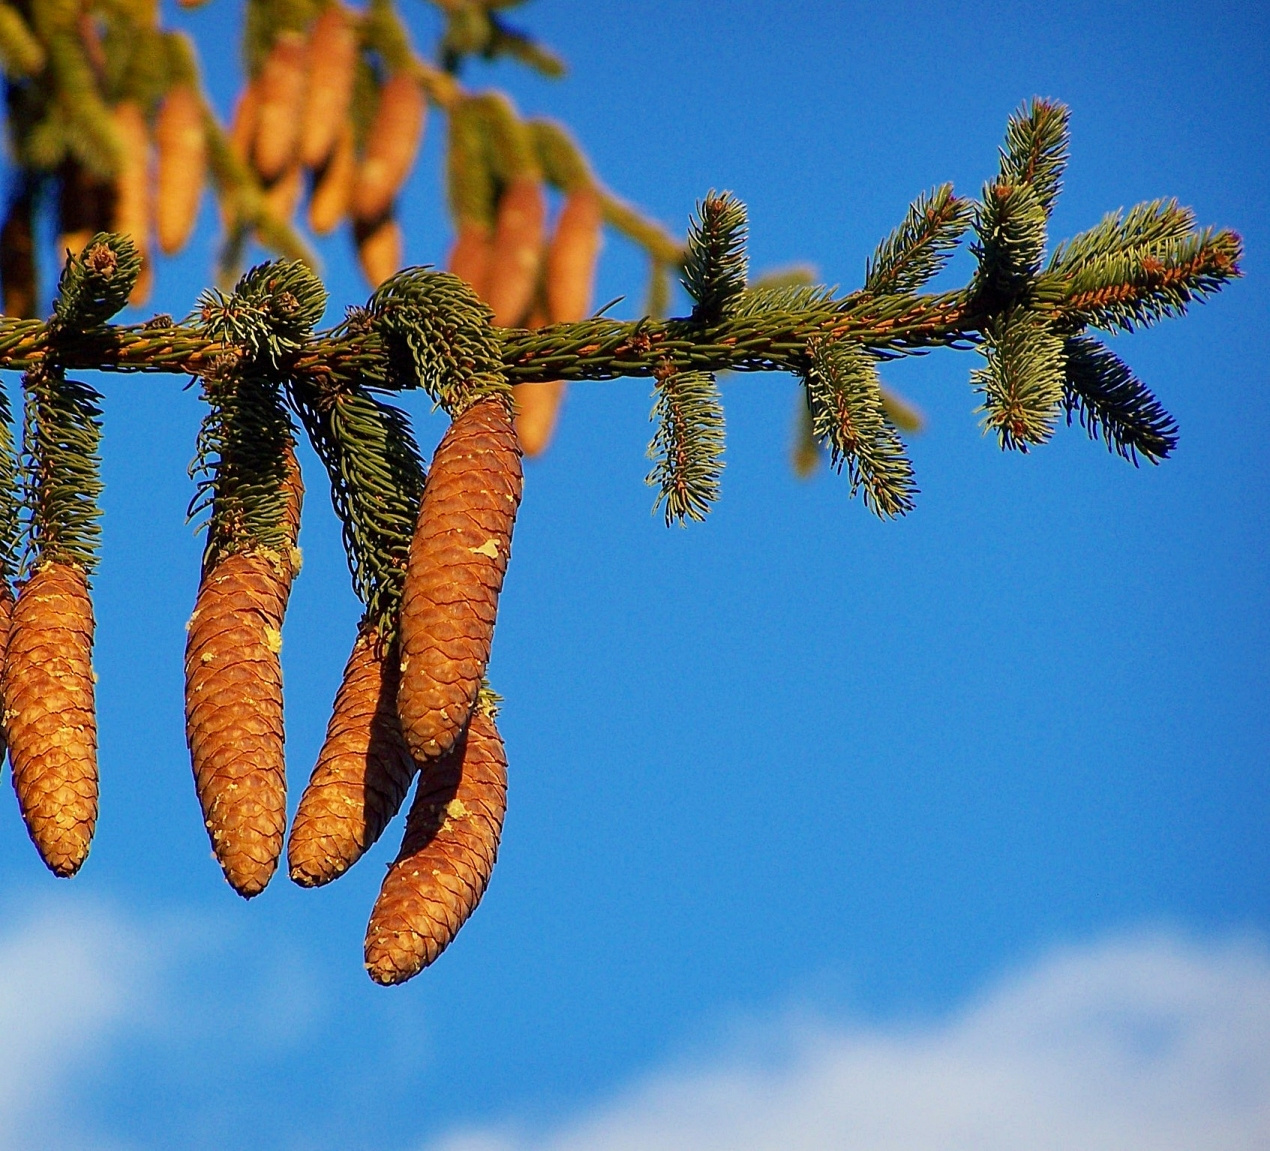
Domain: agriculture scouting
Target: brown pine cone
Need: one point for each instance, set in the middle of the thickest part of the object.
(233, 702)
(517, 253)
(132, 191)
(332, 66)
(469, 258)
(391, 145)
(233, 714)
(571, 257)
(282, 196)
(379, 249)
(458, 558)
(182, 146)
(49, 715)
(363, 770)
(281, 88)
(329, 202)
(570, 277)
(17, 259)
(242, 126)
(446, 858)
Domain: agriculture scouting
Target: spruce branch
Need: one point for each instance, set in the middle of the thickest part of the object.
(1139, 285)
(95, 283)
(10, 497)
(1035, 152)
(687, 446)
(241, 467)
(60, 470)
(438, 337)
(919, 248)
(716, 267)
(1010, 224)
(1111, 403)
(377, 477)
(1022, 384)
(848, 416)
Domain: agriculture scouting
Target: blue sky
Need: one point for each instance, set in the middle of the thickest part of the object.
(792, 790)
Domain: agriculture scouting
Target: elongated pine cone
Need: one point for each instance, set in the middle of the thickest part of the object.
(516, 256)
(49, 714)
(233, 713)
(446, 857)
(363, 770)
(458, 558)
(181, 141)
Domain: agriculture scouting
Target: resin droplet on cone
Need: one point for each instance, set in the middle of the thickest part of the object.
(458, 558)
(446, 857)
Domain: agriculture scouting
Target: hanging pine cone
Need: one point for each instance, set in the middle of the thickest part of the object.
(516, 257)
(363, 770)
(182, 146)
(332, 67)
(233, 704)
(17, 258)
(458, 558)
(470, 255)
(132, 191)
(49, 715)
(379, 248)
(280, 104)
(446, 857)
(331, 194)
(570, 278)
(391, 145)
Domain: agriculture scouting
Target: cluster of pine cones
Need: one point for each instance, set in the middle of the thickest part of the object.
(409, 702)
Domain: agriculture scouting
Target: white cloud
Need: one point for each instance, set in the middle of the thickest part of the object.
(68, 978)
(1147, 1043)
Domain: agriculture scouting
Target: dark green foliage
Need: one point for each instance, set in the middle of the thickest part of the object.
(687, 447)
(376, 479)
(96, 283)
(271, 313)
(1022, 384)
(10, 495)
(921, 245)
(716, 267)
(1011, 219)
(246, 437)
(241, 466)
(438, 336)
(1010, 223)
(849, 418)
(61, 470)
(1035, 151)
(1111, 403)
